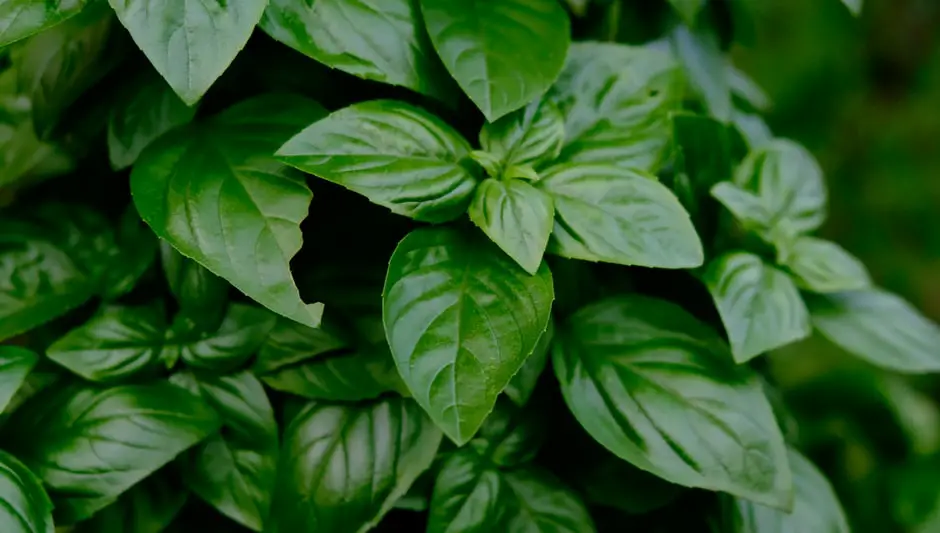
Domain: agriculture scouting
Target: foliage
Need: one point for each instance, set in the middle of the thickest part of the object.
(502, 265)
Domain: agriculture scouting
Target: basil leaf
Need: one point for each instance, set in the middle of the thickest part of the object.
(658, 389)
(759, 305)
(510, 436)
(384, 42)
(471, 496)
(146, 113)
(362, 375)
(607, 480)
(254, 198)
(15, 364)
(532, 135)
(21, 18)
(753, 129)
(700, 52)
(523, 384)
(747, 89)
(136, 430)
(289, 343)
(879, 327)
(343, 466)
(789, 182)
(460, 319)
(815, 507)
(148, 507)
(234, 471)
(706, 149)
(201, 295)
(115, 344)
(25, 506)
(616, 101)
(748, 208)
(516, 216)
(606, 213)
(135, 250)
(822, 266)
(242, 332)
(503, 54)
(396, 155)
(190, 45)
(688, 9)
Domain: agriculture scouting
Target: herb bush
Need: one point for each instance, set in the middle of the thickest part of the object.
(442, 265)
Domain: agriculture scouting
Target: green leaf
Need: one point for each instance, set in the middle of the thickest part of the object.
(149, 110)
(746, 88)
(607, 480)
(523, 384)
(822, 266)
(384, 42)
(21, 18)
(706, 149)
(470, 496)
(759, 305)
(615, 215)
(90, 445)
(201, 295)
(24, 505)
(789, 183)
(658, 389)
(503, 53)
(116, 344)
(855, 6)
(748, 208)
(815, 508)
(343, 466)
(879, 327)
(242, 332)
(289, 343)
(135, 250)
(461, 319)
(15, 364)
(532, 135)
(616, 101)
(688, 9)
(700, 52)
(510, 436)
(190, 44)
(753, 129)
(147, 507)
(396, 155)
(209, 188)
(234, 471)
(516, 216)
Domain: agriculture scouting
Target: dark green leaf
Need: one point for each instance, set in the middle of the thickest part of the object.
(22, 18)
(147, 112)
(616, 101)
(395, 154)
(24, 505)
(344, 466)
(115, 344)
(135, 250)
(242, 332)
(759, 305)
(706, 149)
(289, 343)
(531, 136)
(610, 481)
(516, 216)
(606, 213)
(15, 364)
(384, 42)
(461, 319)
(705, 65)
(503, 53)
(201, 294)
(522, 385)
(90, 445)
(659, 389)
(253, 198)
(879, 327)
(822, 266)
(511, 435)
(147, 507)
(190, 44)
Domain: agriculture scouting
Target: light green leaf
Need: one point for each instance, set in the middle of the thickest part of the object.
(21, 18)
(24, 505)
(382, 41)
(616, 101)
(503, 53)
(396, 155)
(190, 43)
(532, 135)
(148, 507)
(136, 429)
(15, 364)
(748, 208)
(659, 389)
(822, 266)
(147, 111)
(516, 216)
(461, 319)
(753, 129)
(759, 305)
(615, 215)
(289, 343)
(855, 6)
(242, 332)
(209, 188)
(523, 384)
(117, 343)
(879, 327)
(343, 466)
(688, 9)
(705, 66)
(815, 508)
